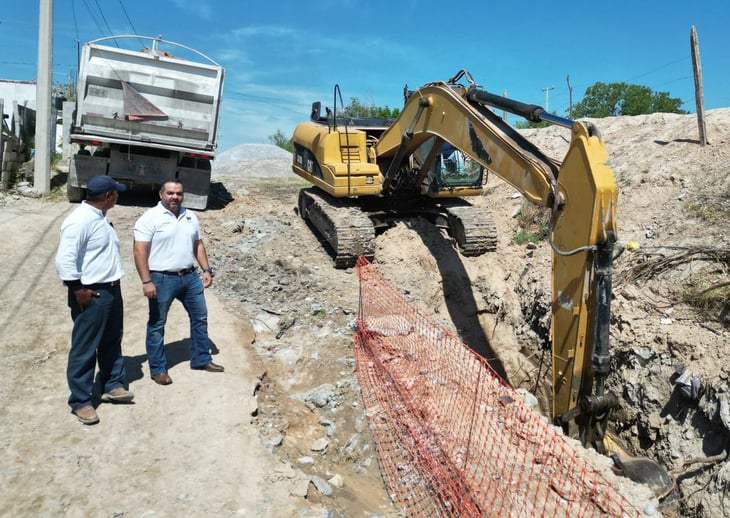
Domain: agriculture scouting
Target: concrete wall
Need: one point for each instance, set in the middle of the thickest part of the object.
(22, 92)
(14, 94)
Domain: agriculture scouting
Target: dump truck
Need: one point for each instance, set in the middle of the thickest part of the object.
(146, 115)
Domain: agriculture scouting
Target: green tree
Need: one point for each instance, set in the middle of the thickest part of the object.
(612, 99)
(66, 89)
(526, 124)
(357, 109)
(281, 140)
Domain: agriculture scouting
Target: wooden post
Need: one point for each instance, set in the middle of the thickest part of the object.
(570, 97)
(699, 96)
(20, 124)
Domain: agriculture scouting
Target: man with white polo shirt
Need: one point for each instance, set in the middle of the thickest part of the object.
(90, 265)
(167, 242)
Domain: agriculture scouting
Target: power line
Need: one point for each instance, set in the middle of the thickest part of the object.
(134, 30)
(94, 16)
(101, 12)
(76, 24)
(660, 67)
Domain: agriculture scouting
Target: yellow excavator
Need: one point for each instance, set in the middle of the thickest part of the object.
(438, 151)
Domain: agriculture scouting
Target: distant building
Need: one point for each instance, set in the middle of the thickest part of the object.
(21, 92)
(19, 106)
(23, 95)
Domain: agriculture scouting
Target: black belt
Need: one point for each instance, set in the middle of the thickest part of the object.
(184, 271)
(103, 285)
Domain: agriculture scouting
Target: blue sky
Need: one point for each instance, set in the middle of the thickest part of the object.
(280, 56)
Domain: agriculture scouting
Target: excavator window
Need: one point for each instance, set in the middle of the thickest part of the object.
(455, 168)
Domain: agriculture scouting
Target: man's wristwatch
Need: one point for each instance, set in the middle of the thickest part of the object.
(210, 271)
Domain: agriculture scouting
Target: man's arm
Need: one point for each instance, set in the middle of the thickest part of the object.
(67, 255)
(141, 251)
(202, 257)
(67, 261)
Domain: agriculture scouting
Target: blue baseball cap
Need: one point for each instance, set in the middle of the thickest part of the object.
(101, 184)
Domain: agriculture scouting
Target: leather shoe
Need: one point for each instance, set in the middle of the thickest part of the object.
(162, 378)
(211, 367)
(86, 414)
(117, 395)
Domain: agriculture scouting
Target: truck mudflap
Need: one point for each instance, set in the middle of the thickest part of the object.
(81, 168)
(141, 165)
(197, 186)
(84, 167)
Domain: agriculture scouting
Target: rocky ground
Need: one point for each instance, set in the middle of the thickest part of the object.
(297, 313)
(673, 205)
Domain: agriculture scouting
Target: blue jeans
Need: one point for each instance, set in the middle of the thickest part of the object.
(188, 289)
(96, 337)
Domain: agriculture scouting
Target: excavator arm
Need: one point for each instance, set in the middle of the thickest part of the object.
(348, 160)
(583, 237)
(581, 193)
(443, 110)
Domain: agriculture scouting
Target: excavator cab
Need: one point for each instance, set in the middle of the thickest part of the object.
(456, 168)
(448, 167)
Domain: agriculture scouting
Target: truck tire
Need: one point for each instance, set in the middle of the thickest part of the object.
(75, 194)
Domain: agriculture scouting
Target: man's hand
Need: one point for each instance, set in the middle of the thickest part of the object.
(84, 296)
(207, 279)
(149, 290)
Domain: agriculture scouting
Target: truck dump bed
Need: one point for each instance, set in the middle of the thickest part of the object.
(148, 97)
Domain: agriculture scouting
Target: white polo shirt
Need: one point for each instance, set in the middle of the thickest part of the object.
(171, 238)
(88, 249)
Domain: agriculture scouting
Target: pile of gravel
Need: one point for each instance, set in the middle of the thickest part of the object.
(262, 160)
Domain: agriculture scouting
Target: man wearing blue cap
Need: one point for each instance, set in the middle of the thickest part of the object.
(90, 265)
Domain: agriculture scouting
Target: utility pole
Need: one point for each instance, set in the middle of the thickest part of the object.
(547, 96)
(42, 174)
(570, 97)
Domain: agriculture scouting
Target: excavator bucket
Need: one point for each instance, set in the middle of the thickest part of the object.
(641, 470)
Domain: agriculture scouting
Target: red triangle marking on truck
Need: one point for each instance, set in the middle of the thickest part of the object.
(137, 107)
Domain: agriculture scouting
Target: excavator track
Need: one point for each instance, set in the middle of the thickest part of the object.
(349, 232)
(473, 228)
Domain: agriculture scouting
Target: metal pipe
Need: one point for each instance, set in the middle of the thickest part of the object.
(601, 360)
(556, 119)
(531, 112)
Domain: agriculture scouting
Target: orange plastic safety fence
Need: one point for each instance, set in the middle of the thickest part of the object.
(452, 438)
